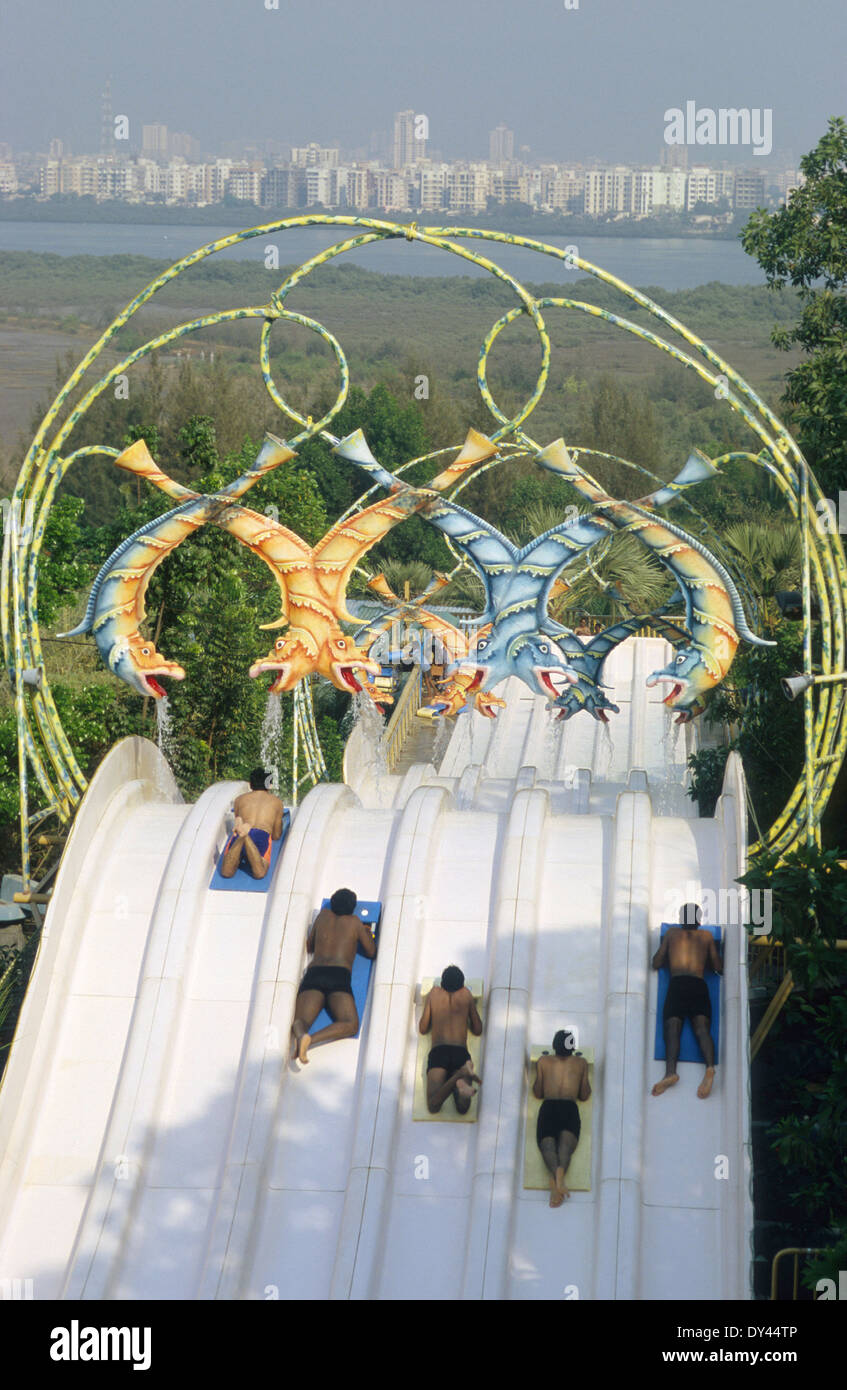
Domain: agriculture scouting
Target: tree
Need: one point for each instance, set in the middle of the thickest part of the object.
(805, 244)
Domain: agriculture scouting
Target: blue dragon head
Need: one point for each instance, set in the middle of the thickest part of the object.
(574, 682)
(690, 678)
(543, 665)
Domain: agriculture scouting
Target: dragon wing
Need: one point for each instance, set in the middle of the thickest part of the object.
(283, 551)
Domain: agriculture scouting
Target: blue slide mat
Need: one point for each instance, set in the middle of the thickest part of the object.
(360, 976)
(241, 881)
(688, 1050)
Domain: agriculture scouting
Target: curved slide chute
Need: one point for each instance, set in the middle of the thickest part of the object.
(157, 1143)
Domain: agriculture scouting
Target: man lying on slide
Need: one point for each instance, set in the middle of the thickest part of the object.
(560, 1081)
(258, 820)
(449, 1011)
(333, 939)
(687, 950)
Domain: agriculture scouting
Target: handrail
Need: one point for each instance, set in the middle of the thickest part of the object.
(796, 1251)
(401, 718)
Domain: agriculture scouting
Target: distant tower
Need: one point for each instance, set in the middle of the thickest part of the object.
(107, 124)
(674, 156)
(407, 149)
(501, 145)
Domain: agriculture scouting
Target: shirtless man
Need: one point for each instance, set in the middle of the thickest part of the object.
(450, 1011)
(687, 950)
(560, 1081)
(258, 820)
(333, 939)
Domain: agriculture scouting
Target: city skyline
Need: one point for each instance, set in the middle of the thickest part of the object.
(594, 82)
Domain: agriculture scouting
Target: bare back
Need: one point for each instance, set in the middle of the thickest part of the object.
(334, 939)
(689, 951)
(449, 1015)
(562, 1078)
(262, 810)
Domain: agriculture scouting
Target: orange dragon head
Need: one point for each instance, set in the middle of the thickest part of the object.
(334, 655)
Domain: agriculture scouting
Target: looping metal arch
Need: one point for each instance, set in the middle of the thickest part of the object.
(44, 751)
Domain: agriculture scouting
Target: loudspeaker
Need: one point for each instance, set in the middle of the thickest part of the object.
(792, 686)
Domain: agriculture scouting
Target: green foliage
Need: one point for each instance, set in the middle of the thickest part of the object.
(769, 728)
(805, 244)
(707, 773)
(9, 832)
(15, 969)
(62, 568)
(830, 1264)
(809, 1139)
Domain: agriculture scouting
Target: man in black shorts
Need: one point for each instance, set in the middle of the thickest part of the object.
(686, 951)
(560, 1081)
(449, 1011)
(334, 938)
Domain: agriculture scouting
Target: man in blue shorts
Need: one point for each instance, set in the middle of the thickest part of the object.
(258, 820)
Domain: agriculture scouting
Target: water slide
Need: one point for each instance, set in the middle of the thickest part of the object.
(157, 1143)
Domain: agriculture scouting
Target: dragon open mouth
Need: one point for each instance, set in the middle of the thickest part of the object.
(554, 680)
(154, 687)
(347, 675)
(676, 690)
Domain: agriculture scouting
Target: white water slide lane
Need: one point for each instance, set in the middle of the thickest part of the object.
(157, 1143)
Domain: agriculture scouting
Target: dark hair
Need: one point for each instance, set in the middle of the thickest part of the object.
(452, 979)
(690, 915)
(564, 1042)
(343, 902)
(259, 780)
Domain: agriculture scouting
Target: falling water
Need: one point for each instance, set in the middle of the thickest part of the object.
(367, 717)
(605, 753)
(443, 730)
(165, 739)
(552, 745)
(271, 740)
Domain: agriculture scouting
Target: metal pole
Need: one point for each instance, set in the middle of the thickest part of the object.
(808, 694)
(13, 542)
(294, 758)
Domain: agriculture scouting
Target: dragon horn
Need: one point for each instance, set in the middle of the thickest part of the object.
(354, 448)
(137, 459)
(476, 448)
(380, 586)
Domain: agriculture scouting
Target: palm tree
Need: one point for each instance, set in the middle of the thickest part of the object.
(613, 580)
(768, 554)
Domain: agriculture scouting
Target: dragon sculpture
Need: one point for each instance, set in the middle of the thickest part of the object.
(312, 580)
(714, 615)
(522, 639)
(116, 607)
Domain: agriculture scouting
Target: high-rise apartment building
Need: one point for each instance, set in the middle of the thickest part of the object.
(501, 145)
(409, 142)
(154, 141)
(749, 190)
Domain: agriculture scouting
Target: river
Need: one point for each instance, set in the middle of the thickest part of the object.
(673, 263)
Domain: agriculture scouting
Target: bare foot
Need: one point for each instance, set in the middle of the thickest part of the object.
(705, 1087)
(560, 1184)
(663, 1085)
(465, 1091)
(298, 1028)
(468, 1075)
(303, 1048)
(556, 1197)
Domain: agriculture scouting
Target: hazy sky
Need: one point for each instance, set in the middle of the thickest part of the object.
(581, 83)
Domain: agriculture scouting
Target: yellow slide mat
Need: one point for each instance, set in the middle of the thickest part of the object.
(448, 1110)
(535, 1174)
